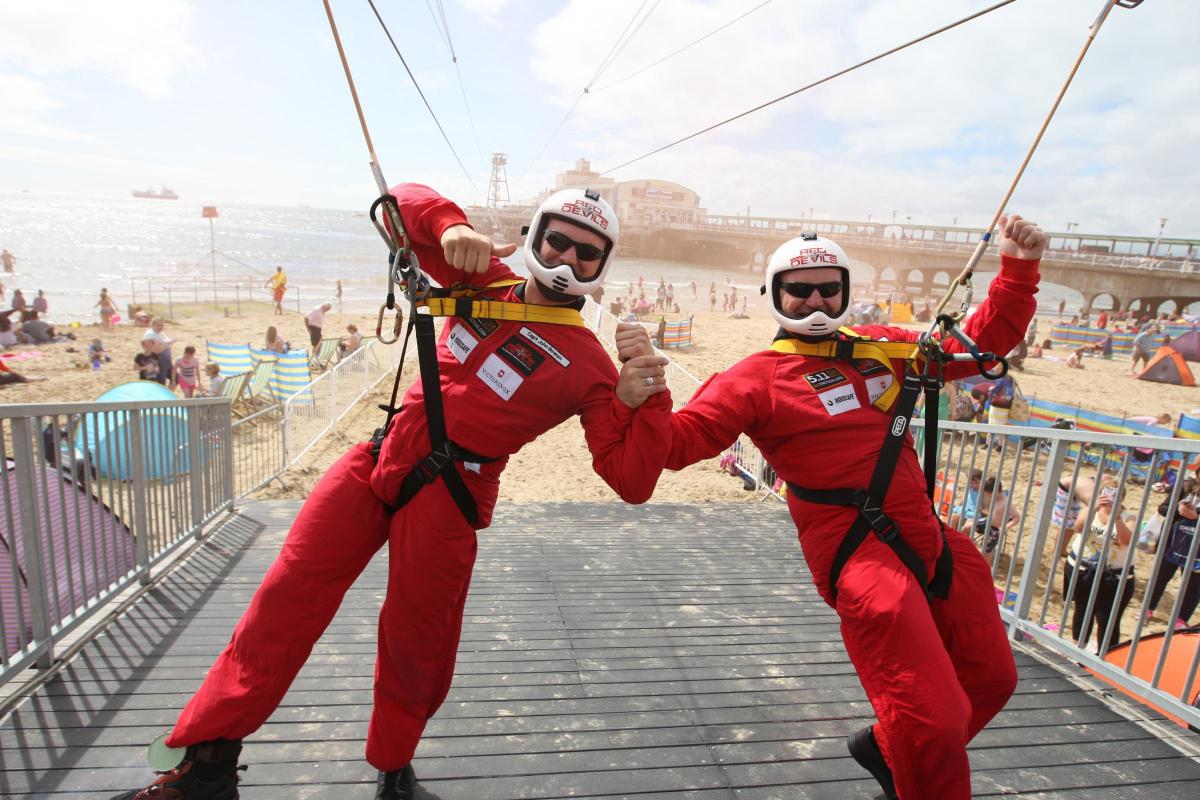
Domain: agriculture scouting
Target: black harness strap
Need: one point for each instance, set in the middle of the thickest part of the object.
(444, 452)
(869, 503)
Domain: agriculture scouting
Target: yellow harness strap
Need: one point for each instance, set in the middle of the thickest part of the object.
(870, 349)
(460, 303)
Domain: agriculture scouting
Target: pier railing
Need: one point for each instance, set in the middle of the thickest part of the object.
(93, 496)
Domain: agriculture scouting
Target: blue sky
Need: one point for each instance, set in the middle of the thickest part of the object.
(246, 102)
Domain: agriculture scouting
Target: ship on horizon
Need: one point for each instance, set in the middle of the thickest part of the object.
(165, 194)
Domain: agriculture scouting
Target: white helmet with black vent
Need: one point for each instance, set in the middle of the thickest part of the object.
(582, 207)
(808, 251)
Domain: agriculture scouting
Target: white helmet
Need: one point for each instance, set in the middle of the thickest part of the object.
(582, 207)
(808, 251)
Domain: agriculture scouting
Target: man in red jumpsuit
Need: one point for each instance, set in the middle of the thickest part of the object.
(504, 383)
(935, 669)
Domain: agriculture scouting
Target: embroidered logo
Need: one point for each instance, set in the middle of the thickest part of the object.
(839, 400)
(869, 366)
(483, 327)
(544, 345)
(460, 343)
(825, 378)
(877, 386)
(521, 355)
(499, 377)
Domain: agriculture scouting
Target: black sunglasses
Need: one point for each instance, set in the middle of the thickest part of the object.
(802, 291)
(562, 243)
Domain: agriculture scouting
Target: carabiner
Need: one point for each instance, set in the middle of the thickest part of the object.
(396, 326)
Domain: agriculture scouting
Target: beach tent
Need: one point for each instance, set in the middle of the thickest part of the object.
(1168, 366)
(164, 443)
(1181, 654)
(1188, 346)
(89, 547)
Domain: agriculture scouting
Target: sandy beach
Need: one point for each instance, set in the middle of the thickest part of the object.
(720, 340)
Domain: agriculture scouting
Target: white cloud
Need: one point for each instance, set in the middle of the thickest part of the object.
(488, 9)
(936, 131)
(140, 43)
(24, 102)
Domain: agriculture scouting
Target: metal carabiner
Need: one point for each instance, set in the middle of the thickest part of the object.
(396, 326)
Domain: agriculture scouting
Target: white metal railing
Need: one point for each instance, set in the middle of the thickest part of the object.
(1077, 620)
(312, 412)
(94, 495)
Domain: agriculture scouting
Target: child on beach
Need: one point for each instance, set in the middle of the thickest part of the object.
(96, 353)
(213, 371)
(147, 362)
(187, 371)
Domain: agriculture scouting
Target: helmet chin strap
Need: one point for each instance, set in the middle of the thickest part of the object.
(554, 294)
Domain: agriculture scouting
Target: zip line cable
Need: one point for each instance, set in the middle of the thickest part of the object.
(680, 50)
(423, 98)
(604, 64)
(444, 29)
(826, 79)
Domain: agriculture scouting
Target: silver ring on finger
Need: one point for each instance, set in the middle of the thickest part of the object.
(649, 380)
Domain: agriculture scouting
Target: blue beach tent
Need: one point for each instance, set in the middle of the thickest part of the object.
(164, 434)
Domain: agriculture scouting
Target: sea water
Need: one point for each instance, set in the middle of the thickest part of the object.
(71, 246)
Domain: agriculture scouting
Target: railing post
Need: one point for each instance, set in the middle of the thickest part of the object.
(333, 396)
(195, 470)
(1035, 555)
(141, 528)
(35, 573)
(227, 437)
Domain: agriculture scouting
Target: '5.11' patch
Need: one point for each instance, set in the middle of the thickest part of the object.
(823, 379)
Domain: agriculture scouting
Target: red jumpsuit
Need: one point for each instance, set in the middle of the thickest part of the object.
(935, 672)
(504, 384)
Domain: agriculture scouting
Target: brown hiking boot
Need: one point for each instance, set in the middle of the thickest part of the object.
(209, 771)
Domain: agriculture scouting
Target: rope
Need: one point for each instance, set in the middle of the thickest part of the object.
(826, 79)
(436, 121)
(604, 65)
(680, 50)
(443, 27)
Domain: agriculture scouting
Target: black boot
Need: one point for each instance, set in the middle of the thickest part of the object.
(866, 752)
(209, 771)
(399, 784)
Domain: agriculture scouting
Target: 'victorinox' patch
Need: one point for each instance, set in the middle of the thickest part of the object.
(823, 379)
(522, 355)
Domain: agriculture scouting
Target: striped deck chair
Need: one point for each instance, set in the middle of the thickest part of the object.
(326, 352)
(234, 387)
(259, 390)
(233, 358)
(290, 376)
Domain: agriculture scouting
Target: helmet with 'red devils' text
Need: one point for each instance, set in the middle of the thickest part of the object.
(582, 207)
(808, 251)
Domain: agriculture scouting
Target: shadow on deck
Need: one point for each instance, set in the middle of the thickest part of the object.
(666, 651)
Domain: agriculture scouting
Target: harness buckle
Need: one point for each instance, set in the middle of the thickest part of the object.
(396, 325)
(432, 465)
(880, 523)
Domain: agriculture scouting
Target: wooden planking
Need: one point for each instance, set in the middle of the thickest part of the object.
(607, 651)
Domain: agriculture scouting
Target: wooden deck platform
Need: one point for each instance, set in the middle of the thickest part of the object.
(666, 651)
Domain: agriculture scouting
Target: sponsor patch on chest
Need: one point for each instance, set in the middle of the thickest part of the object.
(823, 379)
(839, 400)
(483, 327)
(499, 376)
(549, 349)
(460, 343)
(521, 355)
(877, 386)
(869, 366)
